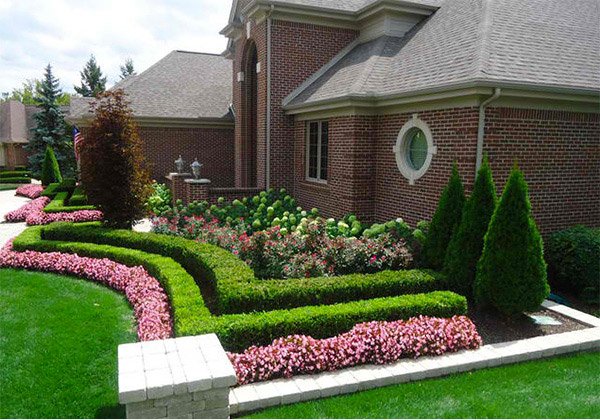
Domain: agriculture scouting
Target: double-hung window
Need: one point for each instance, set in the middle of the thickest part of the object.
(317, 151)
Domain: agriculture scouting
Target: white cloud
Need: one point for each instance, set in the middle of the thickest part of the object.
(64, 33)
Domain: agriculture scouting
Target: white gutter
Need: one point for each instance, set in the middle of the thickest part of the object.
(481, 129)
(268, 118)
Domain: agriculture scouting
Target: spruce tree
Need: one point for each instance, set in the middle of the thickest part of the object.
(92, 80)
(511, 274)
(127, 69)
(444, 222)
(50, 168)
(50, 128)
(466, 245)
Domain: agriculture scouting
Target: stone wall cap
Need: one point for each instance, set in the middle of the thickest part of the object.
(197, 181)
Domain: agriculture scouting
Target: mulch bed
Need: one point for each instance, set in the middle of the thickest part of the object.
(495, 328)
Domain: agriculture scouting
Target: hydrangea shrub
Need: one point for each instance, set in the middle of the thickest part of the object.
(145, 294)
(371, 342)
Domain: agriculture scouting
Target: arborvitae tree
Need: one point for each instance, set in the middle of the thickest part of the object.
(444, 222)
(466, 245)
(127, 69)
(50, 129)
(50, 168)
(113, 169)
(92, 80)
(511, 274)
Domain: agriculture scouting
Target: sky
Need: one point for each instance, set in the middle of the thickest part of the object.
(65, 33)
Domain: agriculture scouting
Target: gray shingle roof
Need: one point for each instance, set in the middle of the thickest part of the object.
(181, 85)
(347, 5)
(544, 43)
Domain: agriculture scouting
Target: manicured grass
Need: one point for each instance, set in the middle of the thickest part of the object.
(8, 187)
(565, 387)
(58, 346)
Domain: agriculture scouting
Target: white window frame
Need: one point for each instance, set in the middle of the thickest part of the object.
(401, 149)
(319, 149)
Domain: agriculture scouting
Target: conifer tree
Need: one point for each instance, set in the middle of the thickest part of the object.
(127, 69)
(466, 245)
(50, 168)
(444, 222)
(511, 274)
(92, 80)
(50, 128)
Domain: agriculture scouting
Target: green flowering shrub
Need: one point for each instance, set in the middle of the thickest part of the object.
(160, 200)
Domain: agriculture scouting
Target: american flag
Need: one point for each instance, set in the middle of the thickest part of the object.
(77, 140)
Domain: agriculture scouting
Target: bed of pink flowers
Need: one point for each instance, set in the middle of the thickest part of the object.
(371, 342)
(33, 213)
(30, 191)
(144, 292)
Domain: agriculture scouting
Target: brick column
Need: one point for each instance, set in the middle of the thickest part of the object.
(175, 182)
(187, 377)
(196, 190)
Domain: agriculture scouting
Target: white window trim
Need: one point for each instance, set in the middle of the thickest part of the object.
(307, 162)
(401, 149)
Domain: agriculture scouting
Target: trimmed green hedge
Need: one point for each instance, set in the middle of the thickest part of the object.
(14, 174)
(60, 204)
(229, 284)
(79, 198)
(15, 180)
(239, 331)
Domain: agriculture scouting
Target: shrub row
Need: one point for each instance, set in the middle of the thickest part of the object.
(15, 180)
(231, 284)
(61, 204)
(68, 185)
(79, 198)
(239, 331)
(14, 174)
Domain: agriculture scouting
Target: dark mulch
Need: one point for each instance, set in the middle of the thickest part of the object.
(495, 328)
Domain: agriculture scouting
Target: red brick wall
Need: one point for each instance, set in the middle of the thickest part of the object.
(213, 147)
(558, 151)
(297, 51)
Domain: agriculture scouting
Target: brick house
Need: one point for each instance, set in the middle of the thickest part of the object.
(16, 123)
(361, 106)
(182, 106)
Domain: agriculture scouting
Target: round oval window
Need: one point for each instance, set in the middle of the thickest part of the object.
(417, 148)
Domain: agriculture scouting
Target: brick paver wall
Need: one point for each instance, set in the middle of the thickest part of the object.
(213, 147)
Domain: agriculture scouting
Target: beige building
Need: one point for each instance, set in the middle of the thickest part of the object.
(16, 121)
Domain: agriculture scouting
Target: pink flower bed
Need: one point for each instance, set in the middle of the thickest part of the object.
(33, 213)
(144, 292)
(371, 342)
(30, 191)
(35, 206)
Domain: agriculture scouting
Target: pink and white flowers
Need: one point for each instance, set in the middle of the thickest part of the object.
(30, 191)
(33, 213)
(371, 342)
(144, 293)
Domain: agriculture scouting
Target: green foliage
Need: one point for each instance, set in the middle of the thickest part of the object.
(113, 168)
(27, 94)
(572, 257)
(511, 274)
(61, 204)
(16, 180)
(92, 81)
(444, 223)
(50, 130)
(50, 169)
(466, 245)
(127, 69)
(230, 283)
(14, 174)
(78, 198)
(239, 331)
(160, 200)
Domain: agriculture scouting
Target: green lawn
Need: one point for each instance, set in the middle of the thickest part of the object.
(566, 387)
(7, 187)
(58, 346)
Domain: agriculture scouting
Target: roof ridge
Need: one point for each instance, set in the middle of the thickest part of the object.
(485, 29)
(198, 52)
(361, 81)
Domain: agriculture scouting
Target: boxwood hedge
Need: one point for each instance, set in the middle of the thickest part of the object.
(239, 331)
(229, 284)
(61, 204)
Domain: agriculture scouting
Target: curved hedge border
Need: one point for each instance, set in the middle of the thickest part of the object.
(231, 283)
(59, 205)
(240, 331)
